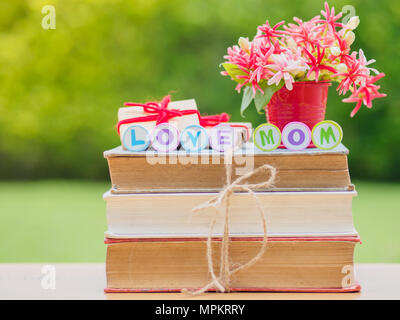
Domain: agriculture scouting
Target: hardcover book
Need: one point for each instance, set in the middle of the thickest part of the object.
(288, 214)
(288, 264)
(178, 171)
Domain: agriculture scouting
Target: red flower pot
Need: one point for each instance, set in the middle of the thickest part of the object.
(306, 103)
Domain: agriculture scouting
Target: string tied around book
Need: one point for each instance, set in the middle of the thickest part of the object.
(159, 112)
(220, 203)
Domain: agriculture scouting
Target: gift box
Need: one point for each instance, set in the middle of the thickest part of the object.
(180, 114)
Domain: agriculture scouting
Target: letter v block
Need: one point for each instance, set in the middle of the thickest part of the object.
(194, 138)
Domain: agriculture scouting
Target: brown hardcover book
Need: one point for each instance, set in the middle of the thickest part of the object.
(288, 264)
(308, 170)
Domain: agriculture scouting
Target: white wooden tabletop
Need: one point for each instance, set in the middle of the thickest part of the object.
(87, 281)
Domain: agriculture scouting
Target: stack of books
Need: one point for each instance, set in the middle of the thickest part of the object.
(156, 243)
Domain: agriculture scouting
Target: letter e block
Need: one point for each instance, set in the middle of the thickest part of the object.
(223, 138)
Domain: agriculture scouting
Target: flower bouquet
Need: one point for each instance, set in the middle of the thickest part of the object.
(294, 64)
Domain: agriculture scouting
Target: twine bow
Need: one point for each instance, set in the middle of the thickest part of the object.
(220, 202)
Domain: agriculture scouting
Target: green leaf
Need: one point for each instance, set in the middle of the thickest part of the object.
(261, 100)
(246, 99)
(234, 71)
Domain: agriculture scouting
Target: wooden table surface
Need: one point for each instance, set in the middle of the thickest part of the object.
(87, 281)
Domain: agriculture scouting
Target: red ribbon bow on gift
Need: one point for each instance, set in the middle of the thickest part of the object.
(158, 112)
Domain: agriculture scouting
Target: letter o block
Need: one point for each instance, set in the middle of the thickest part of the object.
(136, 138)
(165, 138)
(327, 135)
(194, 138)
(296, 136)
(223, 138)
(267, 137)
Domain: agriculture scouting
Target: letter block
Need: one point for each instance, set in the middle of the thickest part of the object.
(165, 138)
(223, 138)
(327, 135)
(136, 138)
(296, 136)
(194, 138)
(267, 137)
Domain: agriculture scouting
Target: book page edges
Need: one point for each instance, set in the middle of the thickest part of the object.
(354, 288)
(322, 192)
(346, 238)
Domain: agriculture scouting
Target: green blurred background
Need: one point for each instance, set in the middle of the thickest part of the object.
(60, 91)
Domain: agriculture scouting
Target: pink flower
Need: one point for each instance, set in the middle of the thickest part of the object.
(239, 56)
(364, 63)
(330, 19)
(260, 72)
(251, 64)
(344, 50)
(247, 64)
(284, 68)
(316, 63)
(270, 33)
(263, 57)
(303, 33)
(352, 77)
(365, 94)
